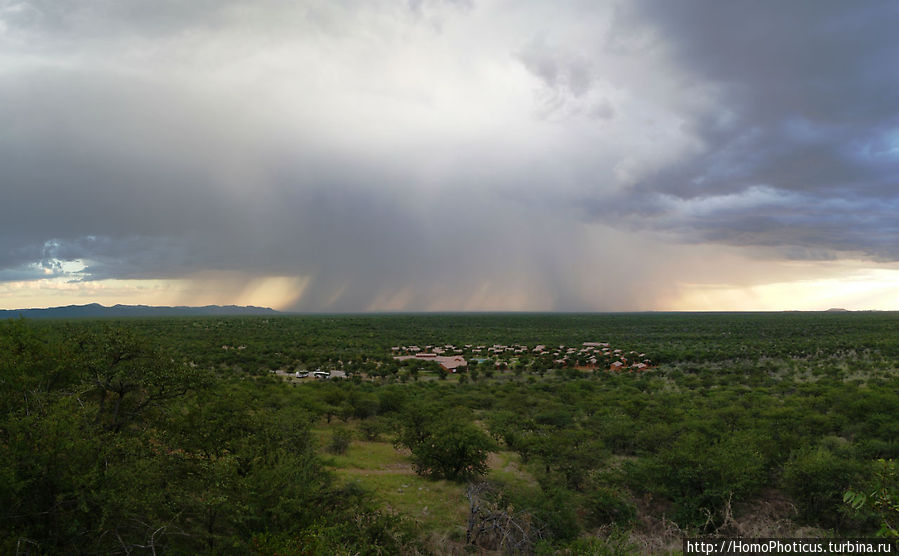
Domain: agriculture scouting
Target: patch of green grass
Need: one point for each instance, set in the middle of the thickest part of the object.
(365, 455)
(437, 505)
(387, 473)
(506, 468)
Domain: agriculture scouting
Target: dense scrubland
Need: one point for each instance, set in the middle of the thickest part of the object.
(173, 435)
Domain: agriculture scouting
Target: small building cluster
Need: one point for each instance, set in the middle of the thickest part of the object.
(589, 355)
(438, 354)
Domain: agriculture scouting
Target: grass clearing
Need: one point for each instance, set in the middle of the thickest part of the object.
(506, 468)
(437, 505)
(387, 473)
(370, 456)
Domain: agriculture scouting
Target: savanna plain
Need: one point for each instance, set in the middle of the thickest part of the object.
(445, 433)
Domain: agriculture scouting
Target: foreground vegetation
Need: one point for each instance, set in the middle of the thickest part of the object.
(173, 435)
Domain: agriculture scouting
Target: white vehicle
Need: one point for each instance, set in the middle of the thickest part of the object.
(301, 374)
(322, 374)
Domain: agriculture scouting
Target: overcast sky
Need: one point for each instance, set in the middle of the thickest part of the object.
(450, 155)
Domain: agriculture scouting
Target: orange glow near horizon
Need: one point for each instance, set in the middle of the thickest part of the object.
(843, 285)
(875, 289)
(277, 292)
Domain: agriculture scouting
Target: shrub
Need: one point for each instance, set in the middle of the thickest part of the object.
(371, 429)
(606, 506)
(882, 497)
(443, 444)
(555, 511)
(816, 477)
(456, 450)
(340, 441)
(700, 475)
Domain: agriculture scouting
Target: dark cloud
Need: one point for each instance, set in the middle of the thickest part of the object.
(806, 104)
(404, 154)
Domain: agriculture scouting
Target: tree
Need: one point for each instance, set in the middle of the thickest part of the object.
(817, 477)
(456, 450)
(129, 376)
(444, 444)
(699, 474)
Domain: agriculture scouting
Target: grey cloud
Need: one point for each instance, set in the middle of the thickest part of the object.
(564, 72)
(17, 250)
(99, 155)
(602, 111)
(569, 81)
(96, 19)
(799, 224)
(806, 101)
(140, 178)
(419, 6)
(44, 26)
(22, 262)
(21, 274)
(128, 140)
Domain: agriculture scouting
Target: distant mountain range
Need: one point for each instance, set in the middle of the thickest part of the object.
(97, 310)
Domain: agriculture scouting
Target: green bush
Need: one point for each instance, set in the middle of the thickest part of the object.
(340, 441)
(556, 514)
(455, 450)
(607, 506)
(881, 497)
(700, 474)
(444, 444)
(371, 429)
(817, 477)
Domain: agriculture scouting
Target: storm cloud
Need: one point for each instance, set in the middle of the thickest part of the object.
(801, 143)
(443, 155)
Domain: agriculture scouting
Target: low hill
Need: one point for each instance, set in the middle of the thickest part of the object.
(97, 310)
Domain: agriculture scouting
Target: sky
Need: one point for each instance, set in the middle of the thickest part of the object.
(437, 155)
